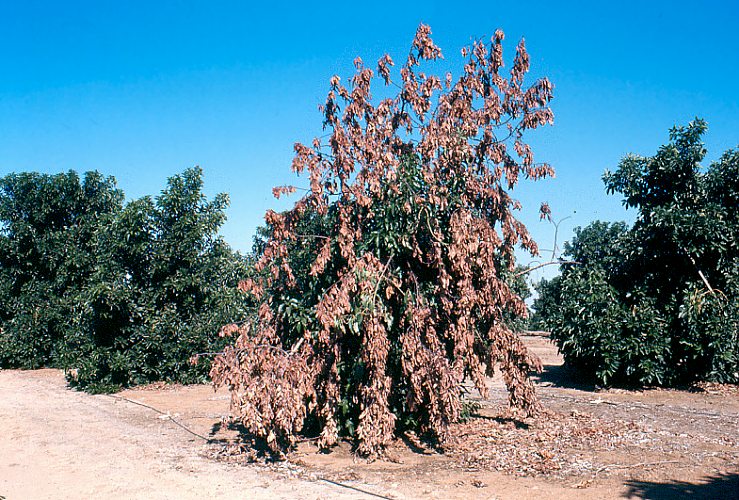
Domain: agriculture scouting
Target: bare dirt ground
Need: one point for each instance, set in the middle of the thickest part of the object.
(167, 442)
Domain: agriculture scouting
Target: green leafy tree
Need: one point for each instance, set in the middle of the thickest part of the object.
(545, 302)
(115, 294)
(656, 303)
(164, 284)
(47, 255)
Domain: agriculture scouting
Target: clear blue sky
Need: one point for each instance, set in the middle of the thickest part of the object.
(143, 90)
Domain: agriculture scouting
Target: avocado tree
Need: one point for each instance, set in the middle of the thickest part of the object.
(47, 254)
(163, 285)
(657, 303)
(117, 295)
(387, 284)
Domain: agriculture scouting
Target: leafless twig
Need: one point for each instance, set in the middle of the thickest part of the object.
(550, 263)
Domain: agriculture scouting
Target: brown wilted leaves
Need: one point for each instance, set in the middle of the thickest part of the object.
(404, 295)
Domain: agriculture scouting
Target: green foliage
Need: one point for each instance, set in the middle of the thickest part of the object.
(47, 227)
(517, 321)
(655, 303)
(545, 303)
(601, 336)
(117, 295)
(164, 285)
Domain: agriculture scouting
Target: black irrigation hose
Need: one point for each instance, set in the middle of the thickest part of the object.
(176, 422)
(336, 483)
(208, 440)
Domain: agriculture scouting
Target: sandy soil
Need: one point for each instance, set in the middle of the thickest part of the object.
(58, 443)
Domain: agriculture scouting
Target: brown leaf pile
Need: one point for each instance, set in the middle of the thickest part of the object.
(546, 445)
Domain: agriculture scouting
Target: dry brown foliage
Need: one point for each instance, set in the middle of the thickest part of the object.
(407, 287)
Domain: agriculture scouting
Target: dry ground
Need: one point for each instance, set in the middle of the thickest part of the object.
(58, 443)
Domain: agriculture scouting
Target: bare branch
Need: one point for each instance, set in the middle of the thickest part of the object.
(550, 263)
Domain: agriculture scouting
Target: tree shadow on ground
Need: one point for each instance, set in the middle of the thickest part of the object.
(244, 442)
(723, 486)
(563, 377)
(517, 423)
(419, 445)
